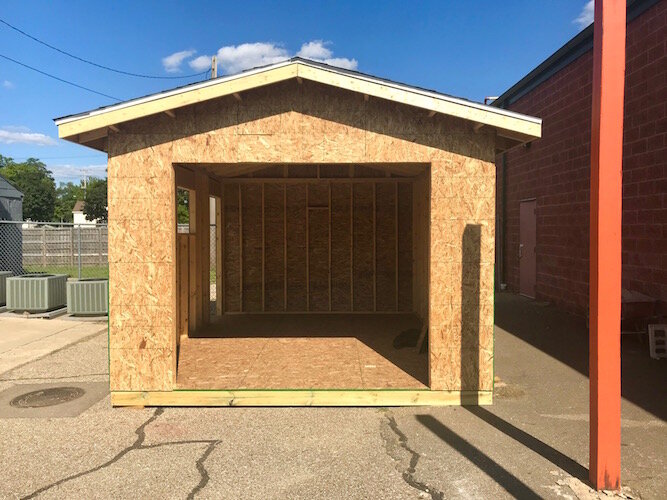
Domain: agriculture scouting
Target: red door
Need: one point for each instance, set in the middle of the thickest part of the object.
(527, 239)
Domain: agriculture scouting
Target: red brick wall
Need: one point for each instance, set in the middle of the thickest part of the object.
(556, 170)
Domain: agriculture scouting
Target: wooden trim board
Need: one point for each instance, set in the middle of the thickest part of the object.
(522, 128)
(301, 398)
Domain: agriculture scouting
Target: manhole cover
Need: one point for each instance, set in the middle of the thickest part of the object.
(47, 397)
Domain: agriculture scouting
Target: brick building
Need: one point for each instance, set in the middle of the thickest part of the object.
(543, 188)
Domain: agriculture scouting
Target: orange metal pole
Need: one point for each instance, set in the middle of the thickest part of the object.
(605, 259)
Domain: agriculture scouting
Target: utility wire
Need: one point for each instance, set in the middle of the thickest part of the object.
(59, 79)
(126, 73)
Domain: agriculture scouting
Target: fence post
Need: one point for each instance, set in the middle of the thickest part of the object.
(71, 246)
(79, 251)
(99, 245)
(43, 246)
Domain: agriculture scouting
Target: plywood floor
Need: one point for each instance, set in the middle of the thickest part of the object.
(301, 351)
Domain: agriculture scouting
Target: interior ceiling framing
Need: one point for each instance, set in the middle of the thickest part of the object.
(223, 171)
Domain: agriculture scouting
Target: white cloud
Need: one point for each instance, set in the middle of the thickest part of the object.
(586, 15)
(317, 50)
(7, 84)
(22, 135)
(172, 63)
(236, 58)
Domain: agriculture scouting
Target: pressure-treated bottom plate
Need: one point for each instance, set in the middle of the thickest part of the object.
(302, 398)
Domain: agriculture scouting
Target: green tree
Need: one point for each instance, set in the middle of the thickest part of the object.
(67, 195)
(96, 200)
(182, 206)
(35, 181)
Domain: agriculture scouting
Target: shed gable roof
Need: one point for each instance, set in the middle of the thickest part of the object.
(89, 127)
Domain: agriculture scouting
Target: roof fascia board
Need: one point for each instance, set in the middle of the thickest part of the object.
(459, 108)
(70, 126)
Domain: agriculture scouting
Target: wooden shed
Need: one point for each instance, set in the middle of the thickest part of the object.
(354, 218)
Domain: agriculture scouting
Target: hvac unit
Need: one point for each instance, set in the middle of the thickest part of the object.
(3, 286)
(88, 297)
(36, 292)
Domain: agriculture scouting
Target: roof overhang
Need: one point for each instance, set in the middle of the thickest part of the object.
(91, 127)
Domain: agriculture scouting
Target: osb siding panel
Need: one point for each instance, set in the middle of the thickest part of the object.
(318, 247)
(363, 247)
(232, 252)
(296, 248)
(341, 245)
(307, 123)
(405, 247)
(386, 246)
(251, 244)
(462, 256)
(274, 237)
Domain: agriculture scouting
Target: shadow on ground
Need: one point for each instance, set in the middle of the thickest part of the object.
(564, 337)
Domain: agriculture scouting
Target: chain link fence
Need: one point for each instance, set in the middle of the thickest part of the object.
(77, 250)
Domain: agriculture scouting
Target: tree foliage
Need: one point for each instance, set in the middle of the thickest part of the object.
(96, 200)
(182, 206)
(67, 194)
(35, 181)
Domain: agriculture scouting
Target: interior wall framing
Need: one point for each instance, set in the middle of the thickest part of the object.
(322, 246)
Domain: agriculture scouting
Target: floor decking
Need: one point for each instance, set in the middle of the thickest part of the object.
(305, 351)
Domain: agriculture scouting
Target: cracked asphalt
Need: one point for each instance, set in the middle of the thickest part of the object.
(532, 443)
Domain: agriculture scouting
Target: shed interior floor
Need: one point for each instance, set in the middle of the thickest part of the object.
(305, 351)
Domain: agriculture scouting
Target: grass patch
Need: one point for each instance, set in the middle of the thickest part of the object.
(71, 271)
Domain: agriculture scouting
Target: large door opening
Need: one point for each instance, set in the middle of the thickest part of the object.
(321, 279)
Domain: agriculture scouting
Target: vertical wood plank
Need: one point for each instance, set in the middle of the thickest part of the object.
(263, 251)
(396, 239)
(219, 251)
(329, 267)
(307, 252)
(193, 323)
(285, 244)
(240, 250)
(351, 243)
(375, 305)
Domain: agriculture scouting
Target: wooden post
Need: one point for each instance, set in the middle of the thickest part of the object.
(375, 278)
(240, 250)
(219, 252)
(307, 249)
(285, 244)
(351, 243)
(329, 268)
(263, 252)
(605, 244)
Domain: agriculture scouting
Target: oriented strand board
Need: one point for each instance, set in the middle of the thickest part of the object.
(386, 247)
(251, 244)
(363, 248)
(341, 247)
(232, 252)
(405, 256)
(296, 248)
(302, 351)
(306, 124)
(274, 247)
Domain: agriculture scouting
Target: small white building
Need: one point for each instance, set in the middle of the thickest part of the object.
(78, 217)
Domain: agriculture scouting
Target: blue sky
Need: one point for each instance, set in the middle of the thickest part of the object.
(469, 49)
